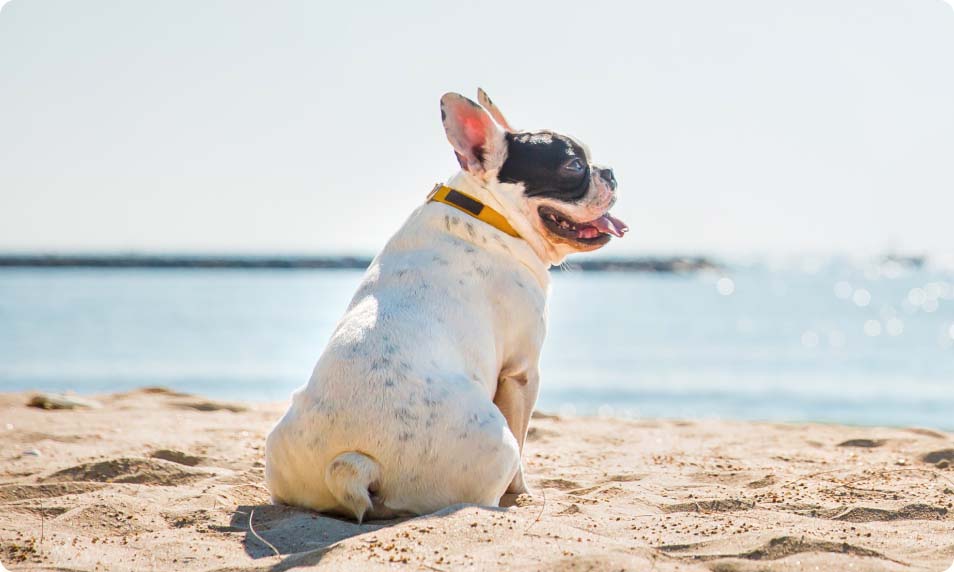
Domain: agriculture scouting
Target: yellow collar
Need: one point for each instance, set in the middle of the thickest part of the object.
(473, 207)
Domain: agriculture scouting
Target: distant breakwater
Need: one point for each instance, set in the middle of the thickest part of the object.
(637, 264)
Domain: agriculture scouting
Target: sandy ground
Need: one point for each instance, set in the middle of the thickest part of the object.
(155, 480)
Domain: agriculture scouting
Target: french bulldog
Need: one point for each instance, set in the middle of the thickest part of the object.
(423, 395)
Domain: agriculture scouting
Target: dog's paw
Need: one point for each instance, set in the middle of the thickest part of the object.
(523, 499)
(516, 499)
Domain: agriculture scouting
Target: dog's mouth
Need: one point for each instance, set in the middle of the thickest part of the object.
(594, 232)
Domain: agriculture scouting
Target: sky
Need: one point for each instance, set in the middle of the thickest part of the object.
(234, 126)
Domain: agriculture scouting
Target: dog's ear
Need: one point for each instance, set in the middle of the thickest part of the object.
(477, 141)
(484, 100)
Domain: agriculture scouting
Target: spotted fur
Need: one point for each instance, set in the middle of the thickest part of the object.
(423, 395)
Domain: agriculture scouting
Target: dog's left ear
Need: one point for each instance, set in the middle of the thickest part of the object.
(476, 139)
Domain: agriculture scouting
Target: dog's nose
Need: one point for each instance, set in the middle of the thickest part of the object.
(607, 175)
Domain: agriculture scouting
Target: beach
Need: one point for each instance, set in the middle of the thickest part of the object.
(158, 480)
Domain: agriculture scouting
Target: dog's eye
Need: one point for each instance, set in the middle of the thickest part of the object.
(575, 166)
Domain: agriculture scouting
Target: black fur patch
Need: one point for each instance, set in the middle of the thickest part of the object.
(537, 160)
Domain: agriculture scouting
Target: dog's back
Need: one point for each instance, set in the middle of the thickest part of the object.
(399, 407)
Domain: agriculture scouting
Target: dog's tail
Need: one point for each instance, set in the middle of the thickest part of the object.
(349, 477)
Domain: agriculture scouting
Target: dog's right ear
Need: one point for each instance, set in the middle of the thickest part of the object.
(477, 141)
(485, 100)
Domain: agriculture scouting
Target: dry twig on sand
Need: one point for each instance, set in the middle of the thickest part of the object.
(251, 529)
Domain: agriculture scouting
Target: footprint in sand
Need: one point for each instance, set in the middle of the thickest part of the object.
(15, 493)
(864, 443)
(210, 406)
(570, 510)
(177, 457)
(129, 470)
(596, 494)
(44, 512)
(909, 512)
(561, 484)
(774, 549)
(926, 432)
(935, 457)
(766, 481)
(623, 478)
(709, 506)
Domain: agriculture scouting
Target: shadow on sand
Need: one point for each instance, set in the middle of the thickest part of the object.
(295, 531)
(304, 537)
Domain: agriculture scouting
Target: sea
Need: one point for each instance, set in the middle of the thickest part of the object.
(829, 340)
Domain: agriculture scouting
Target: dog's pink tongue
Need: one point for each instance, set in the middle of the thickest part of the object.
(608, 224)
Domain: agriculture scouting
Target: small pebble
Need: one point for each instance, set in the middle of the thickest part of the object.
(31, 453)
(943, 464)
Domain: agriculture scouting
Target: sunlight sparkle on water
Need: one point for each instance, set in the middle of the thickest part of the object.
(725, 286)
(887, 312)
(894, 327)
(933, 290)
(836, 339)
(861, 297)
(872, 328)
(917, 296)
(810, 339)
(843, 290)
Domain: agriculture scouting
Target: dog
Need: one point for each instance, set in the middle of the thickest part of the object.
(423, 395)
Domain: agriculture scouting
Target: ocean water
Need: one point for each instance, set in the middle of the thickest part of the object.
(834, 342)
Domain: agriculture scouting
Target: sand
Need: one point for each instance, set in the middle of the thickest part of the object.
(155, 480)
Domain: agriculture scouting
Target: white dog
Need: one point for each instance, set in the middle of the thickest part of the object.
(423, 396)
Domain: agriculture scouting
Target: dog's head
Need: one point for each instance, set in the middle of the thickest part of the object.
(545, 182)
